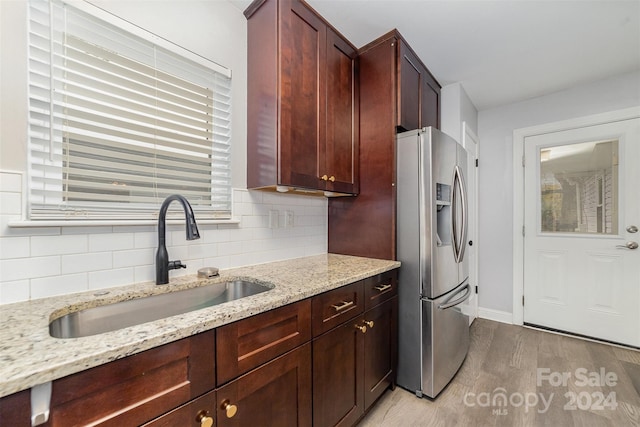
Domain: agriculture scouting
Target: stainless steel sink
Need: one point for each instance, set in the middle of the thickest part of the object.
(111, 317)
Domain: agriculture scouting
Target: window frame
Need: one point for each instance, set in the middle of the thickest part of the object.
(129, 216)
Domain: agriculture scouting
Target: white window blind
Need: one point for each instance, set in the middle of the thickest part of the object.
(118, 122)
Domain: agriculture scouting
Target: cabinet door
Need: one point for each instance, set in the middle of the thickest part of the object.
(410, 79)
(276, 394)
(338, 370)
(342, 133)
(380, 349)
(430, 102)
(198, 412)
(15, 409)
(302, 94)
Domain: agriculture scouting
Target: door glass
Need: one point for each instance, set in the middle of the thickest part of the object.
(579, 188)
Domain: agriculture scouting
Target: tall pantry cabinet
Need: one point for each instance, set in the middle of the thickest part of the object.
(397, 93)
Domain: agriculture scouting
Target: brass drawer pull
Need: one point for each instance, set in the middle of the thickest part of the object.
(342, 306)
(361, 328)
(382, 288)
(229, 409)
(204, 419)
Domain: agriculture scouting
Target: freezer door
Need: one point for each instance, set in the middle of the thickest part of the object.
(445, 339)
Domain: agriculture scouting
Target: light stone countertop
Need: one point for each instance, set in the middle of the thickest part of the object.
(29, 356)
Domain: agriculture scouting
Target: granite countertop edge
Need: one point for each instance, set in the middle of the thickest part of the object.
(29, 356)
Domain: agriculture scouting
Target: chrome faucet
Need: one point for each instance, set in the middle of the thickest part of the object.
(163, 265)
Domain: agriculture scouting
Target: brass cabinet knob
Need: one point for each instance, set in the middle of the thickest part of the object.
(204, 419)
(369, 323)
(332, 178)
(361, 328)
(324, 177)
(229, 409)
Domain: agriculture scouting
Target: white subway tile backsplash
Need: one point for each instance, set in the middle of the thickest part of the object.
(202, 251)
(111, 278)
(110, 242)
(144, 273)
(44, 261)
(14, 291)
(215, 235)
(146, 239)
(10, 182)
(59, 245)
(87, 262)
(10, 203)
(133, 258)
(29, 268)
(14, 247)
(59, 285)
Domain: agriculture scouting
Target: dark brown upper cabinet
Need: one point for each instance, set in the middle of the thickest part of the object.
(302, 101)
(419, 100)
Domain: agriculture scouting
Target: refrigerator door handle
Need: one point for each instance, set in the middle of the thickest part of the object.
(459, 231)
(454, 216)
(463, 200)
(448, 303)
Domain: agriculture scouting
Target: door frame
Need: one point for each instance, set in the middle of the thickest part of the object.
(469, 137)
(519, 136)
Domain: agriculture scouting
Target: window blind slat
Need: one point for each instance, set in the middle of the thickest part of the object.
(117, 123)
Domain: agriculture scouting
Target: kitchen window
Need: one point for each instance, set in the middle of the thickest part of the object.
(120, 118)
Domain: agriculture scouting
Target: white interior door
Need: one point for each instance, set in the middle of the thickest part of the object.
(582, 204)
(470, 143)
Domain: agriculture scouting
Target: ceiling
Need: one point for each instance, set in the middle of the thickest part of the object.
(501, 51)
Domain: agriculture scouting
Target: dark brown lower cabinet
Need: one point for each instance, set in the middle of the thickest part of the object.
(353, 365)
(265, 370)
(274, 395)
(380, 354)
(338, 369)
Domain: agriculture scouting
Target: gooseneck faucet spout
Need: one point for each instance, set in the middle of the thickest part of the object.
(163, 265)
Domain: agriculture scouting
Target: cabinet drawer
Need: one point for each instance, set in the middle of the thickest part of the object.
(138, 388)
(251, 342)
(380, 288)
(334, 307)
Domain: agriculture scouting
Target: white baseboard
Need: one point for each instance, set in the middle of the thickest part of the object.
(496, 315)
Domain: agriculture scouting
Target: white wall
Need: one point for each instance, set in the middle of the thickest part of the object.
(496, 172)
(456, 108)
(38, 262)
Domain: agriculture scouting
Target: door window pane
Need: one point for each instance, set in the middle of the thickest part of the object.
(579, 188)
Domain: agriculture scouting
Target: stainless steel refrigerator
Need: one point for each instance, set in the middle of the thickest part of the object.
(433, 283)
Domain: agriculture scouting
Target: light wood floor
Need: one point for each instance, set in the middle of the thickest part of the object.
(504, 359)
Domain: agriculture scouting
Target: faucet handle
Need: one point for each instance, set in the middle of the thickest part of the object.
(174, 265)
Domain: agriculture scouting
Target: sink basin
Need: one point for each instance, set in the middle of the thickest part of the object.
(111, 317)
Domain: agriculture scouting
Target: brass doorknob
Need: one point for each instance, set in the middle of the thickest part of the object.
(369, 323)
(324, 177)
(229, 409)
(204, 419)
(332, 178)
(361, 328)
